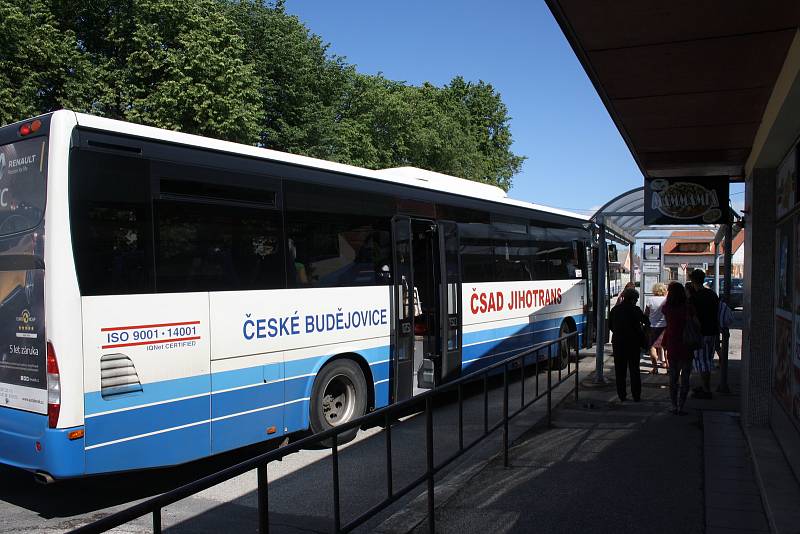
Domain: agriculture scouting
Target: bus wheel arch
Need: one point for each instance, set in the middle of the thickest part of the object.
(342, 391)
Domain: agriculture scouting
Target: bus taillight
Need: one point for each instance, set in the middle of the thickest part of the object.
(53, 387)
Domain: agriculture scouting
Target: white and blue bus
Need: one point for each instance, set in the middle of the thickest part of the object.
(166, 297)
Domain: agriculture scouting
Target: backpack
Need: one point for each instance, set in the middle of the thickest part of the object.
(725, 315)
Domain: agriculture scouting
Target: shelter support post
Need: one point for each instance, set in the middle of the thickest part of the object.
(600, 305)
(631, 247)
(723, 356)
(716, 268)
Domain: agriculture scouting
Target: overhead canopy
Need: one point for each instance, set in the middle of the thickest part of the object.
(686, 82)
(623, 215)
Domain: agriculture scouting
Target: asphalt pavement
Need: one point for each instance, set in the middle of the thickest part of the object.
(300, 489)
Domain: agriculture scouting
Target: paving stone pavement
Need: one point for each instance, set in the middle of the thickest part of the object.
(607, 466)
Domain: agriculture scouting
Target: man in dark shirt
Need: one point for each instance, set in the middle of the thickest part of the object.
(626, 320)
(706, 306)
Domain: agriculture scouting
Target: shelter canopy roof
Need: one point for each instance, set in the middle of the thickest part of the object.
(686, 82)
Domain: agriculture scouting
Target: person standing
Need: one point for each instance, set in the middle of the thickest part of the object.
(657, 324)
(629, 285)
(676, 312)
(706, 305)
(627, 322)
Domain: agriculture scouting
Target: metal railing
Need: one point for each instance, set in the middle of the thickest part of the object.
(386, 416)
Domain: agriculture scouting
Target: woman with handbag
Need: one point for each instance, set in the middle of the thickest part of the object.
(677, 341)
(628, 322)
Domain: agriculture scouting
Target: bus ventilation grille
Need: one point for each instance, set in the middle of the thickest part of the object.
(118, 376)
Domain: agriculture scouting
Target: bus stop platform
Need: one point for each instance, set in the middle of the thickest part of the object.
(606, 466)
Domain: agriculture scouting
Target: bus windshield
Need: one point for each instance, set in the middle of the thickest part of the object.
(22, 185)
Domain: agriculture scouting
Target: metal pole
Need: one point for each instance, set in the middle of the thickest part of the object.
(550, 385)
(387, 431)
(723, 357)
(577, 371)
(485, 404)
(630, 261)
(602, 252)
(429, 459)
(263, 500)
(157, 521)
(337, 516)
(716, 267)
(505, 415)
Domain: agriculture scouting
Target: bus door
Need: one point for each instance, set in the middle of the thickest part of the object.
(450, 288)
(427, 321)
(403, 310)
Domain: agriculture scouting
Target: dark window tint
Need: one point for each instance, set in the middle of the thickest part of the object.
(554, 252)
(111, 223)
(477, 252)
(206, 247)
(22, 184)
(511, 251)
(337, 238)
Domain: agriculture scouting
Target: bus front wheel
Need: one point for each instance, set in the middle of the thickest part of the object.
(339, 395)
(564, 347)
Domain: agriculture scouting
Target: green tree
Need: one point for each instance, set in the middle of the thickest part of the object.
(177, 64)
(246, 71)
(40, 66)
(490, 128)
(299, 84)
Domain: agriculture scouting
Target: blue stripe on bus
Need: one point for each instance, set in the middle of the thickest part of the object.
(242, 415)
(119, 425)
(163, 390)
(174, 447)
(247, 412)
(242, 400)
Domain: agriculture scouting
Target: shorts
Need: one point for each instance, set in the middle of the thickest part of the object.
(704, 356)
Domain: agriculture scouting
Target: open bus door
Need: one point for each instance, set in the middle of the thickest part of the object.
(427, 305)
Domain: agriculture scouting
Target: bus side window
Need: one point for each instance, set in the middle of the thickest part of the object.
(110, 220)
(337, 238)
(207, 247)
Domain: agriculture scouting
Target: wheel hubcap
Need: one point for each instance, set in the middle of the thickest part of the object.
(338, 400)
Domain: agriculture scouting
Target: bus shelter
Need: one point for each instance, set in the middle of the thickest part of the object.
(622, 219)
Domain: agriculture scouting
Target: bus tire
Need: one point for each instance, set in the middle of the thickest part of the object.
(564, 347)
(339, 395)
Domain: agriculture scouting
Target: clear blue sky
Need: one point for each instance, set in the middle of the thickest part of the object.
(576, 157)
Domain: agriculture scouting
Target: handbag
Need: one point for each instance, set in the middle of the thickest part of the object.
(692, 335)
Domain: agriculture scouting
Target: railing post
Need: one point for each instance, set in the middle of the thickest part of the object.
(157, 521)
(429, 459)
(577, 371)
(505, 415)
(485, 404)
(566, 341)
(337, 518)
(387, 431)
(460, 418)
(549, 385)
(522, 382)
(263, 500)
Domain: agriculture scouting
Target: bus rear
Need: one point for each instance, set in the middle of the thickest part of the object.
(33, 435)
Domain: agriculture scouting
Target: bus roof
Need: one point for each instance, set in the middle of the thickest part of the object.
(409, 176)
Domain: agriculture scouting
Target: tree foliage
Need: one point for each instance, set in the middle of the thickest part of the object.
(245, 71)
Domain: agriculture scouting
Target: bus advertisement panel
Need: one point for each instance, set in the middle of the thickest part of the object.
(23, 352)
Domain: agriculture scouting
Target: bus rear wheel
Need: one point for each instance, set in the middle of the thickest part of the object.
(339, 395)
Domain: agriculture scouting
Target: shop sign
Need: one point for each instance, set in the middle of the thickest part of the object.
(701, 200)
